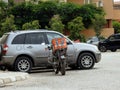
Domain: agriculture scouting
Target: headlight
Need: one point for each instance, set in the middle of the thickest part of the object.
(96, 48)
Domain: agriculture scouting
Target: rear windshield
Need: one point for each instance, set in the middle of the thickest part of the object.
(4, 38)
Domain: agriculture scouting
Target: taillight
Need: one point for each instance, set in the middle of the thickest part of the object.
(5, 48)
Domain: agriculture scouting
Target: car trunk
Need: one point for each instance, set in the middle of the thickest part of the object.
(2, 42)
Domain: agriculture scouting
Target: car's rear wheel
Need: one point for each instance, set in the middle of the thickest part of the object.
(102, 48)
(23, 64)
(113, 50)
(62, 68)
(86, 61)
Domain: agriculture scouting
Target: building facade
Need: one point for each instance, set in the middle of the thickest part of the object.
(116, 11)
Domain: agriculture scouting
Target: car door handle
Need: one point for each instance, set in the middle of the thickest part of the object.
(29, 47)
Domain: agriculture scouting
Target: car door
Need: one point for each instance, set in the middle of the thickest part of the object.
(113, 42)
(70, 47)
(35, 46)
(117, 41)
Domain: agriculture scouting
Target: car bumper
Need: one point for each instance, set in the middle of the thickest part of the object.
(98, 57)
(7, 61)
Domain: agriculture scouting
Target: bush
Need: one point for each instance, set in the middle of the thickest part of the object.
(116, 26)
(56, 24)
(75, 26)
(31, 25)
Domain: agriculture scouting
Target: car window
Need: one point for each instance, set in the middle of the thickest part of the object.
(95, 39)
(112, 38)
(117, 37)
(34, 38)
(50, 36)
(19, 39)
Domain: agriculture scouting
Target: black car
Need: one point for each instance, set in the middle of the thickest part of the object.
(111, 43)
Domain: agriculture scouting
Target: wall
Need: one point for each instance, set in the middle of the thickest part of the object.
(106, 32)
(108, 7)
(76, 1)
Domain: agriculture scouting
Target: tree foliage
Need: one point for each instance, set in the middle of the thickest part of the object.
(68, 11)
(44, 12)
(116, 26)
(3, 11)
(88, 12)
(98, 23)
(8, 25)
(27, 12)
(23, 12)
(75, 26)
(31, 25)
(56, 24)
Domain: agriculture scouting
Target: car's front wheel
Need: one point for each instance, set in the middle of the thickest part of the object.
(86, 61)
(23, 64)
(102, 48)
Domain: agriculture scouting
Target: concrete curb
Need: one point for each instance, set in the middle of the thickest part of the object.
(9, 77)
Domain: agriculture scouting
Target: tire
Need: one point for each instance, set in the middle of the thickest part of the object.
(3, 68)
(10, 68)
(113, 50)
(86, 61)
(23, 64)
(57, 69)
(102, 48)
(56, 66)
(62, 69)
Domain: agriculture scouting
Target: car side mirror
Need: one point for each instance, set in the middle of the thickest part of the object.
(68, 43)
(91, 41)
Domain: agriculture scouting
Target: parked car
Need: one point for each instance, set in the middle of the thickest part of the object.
(111, 43)
(93, 40)
(22, 50)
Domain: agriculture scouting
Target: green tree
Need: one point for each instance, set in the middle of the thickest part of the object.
(56, 24)
(11, 3)
(116, 26)
(35, 24)
(26, 26)
(8, 25)
(3, 11)
(98, 24)
(75, 26)
(23, 12)
(88, 12)
(68, 11)
(44, 12)
(31, 25)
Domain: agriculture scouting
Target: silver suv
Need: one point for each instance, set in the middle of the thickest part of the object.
(22, 50)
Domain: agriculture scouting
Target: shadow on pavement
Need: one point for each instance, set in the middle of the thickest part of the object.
(46, 70)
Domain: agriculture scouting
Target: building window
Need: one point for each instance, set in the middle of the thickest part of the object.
(87, 1)
(98, 3)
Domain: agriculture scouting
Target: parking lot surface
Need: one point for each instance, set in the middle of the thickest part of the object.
(104, 76)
